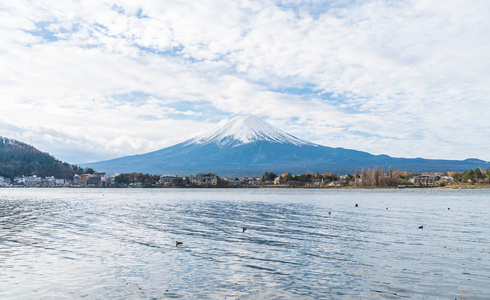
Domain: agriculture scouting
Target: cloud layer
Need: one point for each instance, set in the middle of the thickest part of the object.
(92, 80)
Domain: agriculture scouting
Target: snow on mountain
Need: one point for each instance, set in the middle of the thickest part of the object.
(249, 146)
(247, 129)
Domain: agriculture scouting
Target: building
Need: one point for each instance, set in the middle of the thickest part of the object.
(94, 180)
(112, 179)
(61, 182)
(255, 181)
(166, 179)
(338, 183)
(447, 178)
(137, 184)
(234, 182)
(426, 179)
(250, 181)
(316, 182)
(204, 180)
(2, 181)
(102, 175)
(81, 179)
(18, 181)
(48, 181)
(31, 181)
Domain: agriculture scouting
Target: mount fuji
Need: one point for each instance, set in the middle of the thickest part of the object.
(247, 145)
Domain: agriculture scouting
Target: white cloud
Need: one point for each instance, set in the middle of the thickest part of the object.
(407, 78)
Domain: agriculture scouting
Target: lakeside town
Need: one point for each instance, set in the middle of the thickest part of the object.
(375, 178)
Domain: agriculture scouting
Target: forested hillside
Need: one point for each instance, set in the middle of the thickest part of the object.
(17, 158)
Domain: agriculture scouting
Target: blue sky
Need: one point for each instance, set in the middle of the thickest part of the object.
(403, 78)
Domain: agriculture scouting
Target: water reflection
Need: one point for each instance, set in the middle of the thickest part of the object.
(121, 243)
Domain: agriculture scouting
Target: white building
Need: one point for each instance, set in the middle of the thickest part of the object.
(49, 181)
(204, 180)
(166, 179)
(61, 182)
(31, 181)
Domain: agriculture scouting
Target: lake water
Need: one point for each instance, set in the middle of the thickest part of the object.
(121, 243)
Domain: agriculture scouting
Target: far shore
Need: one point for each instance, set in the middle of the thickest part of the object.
(453, 187)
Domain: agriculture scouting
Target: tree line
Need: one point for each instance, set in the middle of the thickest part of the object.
(377, 177)
(472, 176)
(148, 180)
(17, 159)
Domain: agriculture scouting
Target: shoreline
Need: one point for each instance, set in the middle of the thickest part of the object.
(465, 187)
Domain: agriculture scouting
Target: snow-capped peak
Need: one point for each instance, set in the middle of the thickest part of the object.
(246, 129)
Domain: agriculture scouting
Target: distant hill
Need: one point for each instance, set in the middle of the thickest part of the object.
(17, 158)
(250, 146)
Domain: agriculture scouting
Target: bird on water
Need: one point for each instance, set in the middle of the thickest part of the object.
(178, 243)
(356, 205)
(421, 227)
(243, 229)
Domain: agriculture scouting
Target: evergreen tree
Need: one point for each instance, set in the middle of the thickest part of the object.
(269, 176)
(479, 174)
(17, 158)
(468, 175)
(457, 177)
(376, 176)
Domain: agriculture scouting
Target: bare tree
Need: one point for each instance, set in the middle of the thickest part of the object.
(369, 177)
(363, 180)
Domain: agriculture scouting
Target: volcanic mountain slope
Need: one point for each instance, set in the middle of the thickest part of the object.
(250, 146)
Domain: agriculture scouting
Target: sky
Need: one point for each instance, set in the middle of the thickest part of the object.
(90, 80)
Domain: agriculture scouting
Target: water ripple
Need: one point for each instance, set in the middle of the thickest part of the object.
(67, 243)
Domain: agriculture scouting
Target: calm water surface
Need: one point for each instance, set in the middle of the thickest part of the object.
(120, 243)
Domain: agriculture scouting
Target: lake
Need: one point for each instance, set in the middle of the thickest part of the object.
(121, 243)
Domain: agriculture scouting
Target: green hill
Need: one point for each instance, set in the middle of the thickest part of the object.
(17, 158)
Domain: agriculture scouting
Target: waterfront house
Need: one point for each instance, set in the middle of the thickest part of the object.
(61, 182)
(112, 179)
(234, 182)
(166, 179)
(338, 183)
(136, 184)
(447, 178)
(48, 181)
(204, 180)
(31, 181)
(102, 175)
(426, 179)
(94, 180)
(81, 179)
